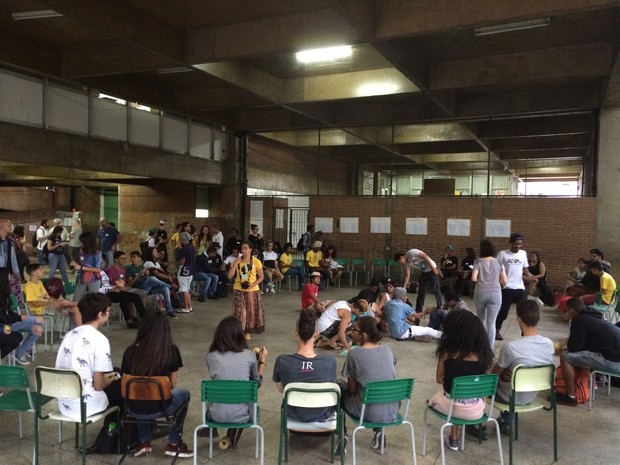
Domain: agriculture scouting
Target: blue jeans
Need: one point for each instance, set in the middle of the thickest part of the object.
(210, 281)
(299, 272)
(26, 325)
(180, 398)
(437, 318)
(40, 258)
(428, 279)
(152, 285)
(57, 261)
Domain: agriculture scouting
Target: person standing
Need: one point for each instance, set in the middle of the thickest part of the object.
(218, 237)
(108, 238)
(515, 263)
(186, 268)
(417, 259)
(41, 239)
(490, 276)
(56, 246)
(247, 271)
(89, 265)
(74, 239)
(162, 240)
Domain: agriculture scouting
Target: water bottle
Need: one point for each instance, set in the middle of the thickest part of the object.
(112, 430)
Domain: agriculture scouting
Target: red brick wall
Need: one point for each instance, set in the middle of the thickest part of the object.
(544, 222)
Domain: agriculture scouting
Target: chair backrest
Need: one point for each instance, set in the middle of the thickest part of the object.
(378, 262)
(383, 392)
(224, 391)
(358, 262)
(598, 298)
(312, 395)
(474, 386)
(146, 387)
(343, 261)
(533, 378)
(59, 383)
(14, 377)
(299, 262)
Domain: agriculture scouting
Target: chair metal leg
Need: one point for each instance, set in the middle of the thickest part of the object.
(413, 455)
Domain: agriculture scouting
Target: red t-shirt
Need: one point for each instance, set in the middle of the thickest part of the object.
(310, 290)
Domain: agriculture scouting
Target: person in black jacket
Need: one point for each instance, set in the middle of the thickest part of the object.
(593, 343)
(369, 294)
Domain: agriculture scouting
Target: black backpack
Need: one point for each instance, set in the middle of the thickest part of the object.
(35, 241)
(300, 243)
(145, 251)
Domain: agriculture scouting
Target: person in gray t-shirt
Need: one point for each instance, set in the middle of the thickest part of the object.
(305, 366)
(373, 361)
(532, 349)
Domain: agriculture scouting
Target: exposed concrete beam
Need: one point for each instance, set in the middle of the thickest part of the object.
(553, 153)
(439, 147)
(398, 18)
(121, 20)
(19, 52)
(539, 65)
(134, 89)
(543, 142)
(110, 58)
(360, 15)
(313, 29)
(41, 147)
(547, 125)
(221, 98)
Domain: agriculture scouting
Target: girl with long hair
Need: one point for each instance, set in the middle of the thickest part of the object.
(153, 353)
(230, 358)
(56, 247)
(463, 349)
(203, 240)
(89, 265)
(247, 272)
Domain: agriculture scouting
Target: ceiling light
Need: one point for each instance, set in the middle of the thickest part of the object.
(181, 69)
(318, 55)
(37, 14)
(510, 27)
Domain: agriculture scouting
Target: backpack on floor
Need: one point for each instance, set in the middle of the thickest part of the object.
(582, 384)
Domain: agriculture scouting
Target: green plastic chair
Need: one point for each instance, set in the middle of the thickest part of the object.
(396, 267)
(607, 375)
(383, 392)
(466, 387)
(222, 391)
(380, 263)
(60, 383)
(530, 379)
(344, 262)
(312, 395)
(356, 263)
(20, 398)
(605, 309)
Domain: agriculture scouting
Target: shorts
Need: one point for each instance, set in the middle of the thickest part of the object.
(185, 283)
(332, 329)
(591, 360)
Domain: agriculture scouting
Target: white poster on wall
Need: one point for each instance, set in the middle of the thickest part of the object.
(349, 225)
(325, 225)
(380, 224)
(459, 227)
(417, 226)
(497, 228)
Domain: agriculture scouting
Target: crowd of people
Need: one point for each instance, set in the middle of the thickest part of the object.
(254, 266)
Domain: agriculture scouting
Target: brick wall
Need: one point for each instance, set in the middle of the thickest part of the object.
(544, 222)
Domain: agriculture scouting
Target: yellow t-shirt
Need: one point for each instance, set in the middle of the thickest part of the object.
(286, 260)
(314, 259)
(34, 292)
(608, 287)
(247, 274)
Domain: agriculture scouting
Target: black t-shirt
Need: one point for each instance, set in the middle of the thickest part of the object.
(454, 368)
(126, 368)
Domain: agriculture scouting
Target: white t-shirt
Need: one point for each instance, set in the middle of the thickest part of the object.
(514, 263)
(330, 315)
(219, 238)
(415, 261)
(87, 351)
(42, 234)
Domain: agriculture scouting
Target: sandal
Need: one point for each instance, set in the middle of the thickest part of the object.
(332, 347)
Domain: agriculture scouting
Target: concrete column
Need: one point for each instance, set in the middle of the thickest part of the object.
(608, 195)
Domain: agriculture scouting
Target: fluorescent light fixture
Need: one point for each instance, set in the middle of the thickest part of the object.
(318, 55)
(201, 213)
(37, 14)
(181, 69)
(510, 27)
(120, 101)
(378, 88)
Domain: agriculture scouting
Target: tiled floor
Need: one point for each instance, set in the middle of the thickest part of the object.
(584, 437)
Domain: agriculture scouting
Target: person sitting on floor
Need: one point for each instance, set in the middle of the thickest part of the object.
(370, 294)
(532, 349)
(451, 301)
(310, 295)
(593, 343)
(402, 320)
(305, 366)
(40, 302)
(336, 320)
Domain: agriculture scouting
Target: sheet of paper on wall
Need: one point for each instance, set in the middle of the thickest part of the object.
(497, 228)
(325, 225)
(416, 226)
(349, 225)
(459, 227)
(380, 224)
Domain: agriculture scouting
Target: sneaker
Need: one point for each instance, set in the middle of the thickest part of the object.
(133, 323)
(498, 336)
(143, 449)
(23, 360)
(183, 310)
(171, 316)
(504, 423)
(453, 444)
(272, 289)
(377, 437)
(560, 399)
(337, 445)
(181, 449)
(478, 431)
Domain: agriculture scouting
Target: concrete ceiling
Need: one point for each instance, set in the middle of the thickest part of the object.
(421, 90)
